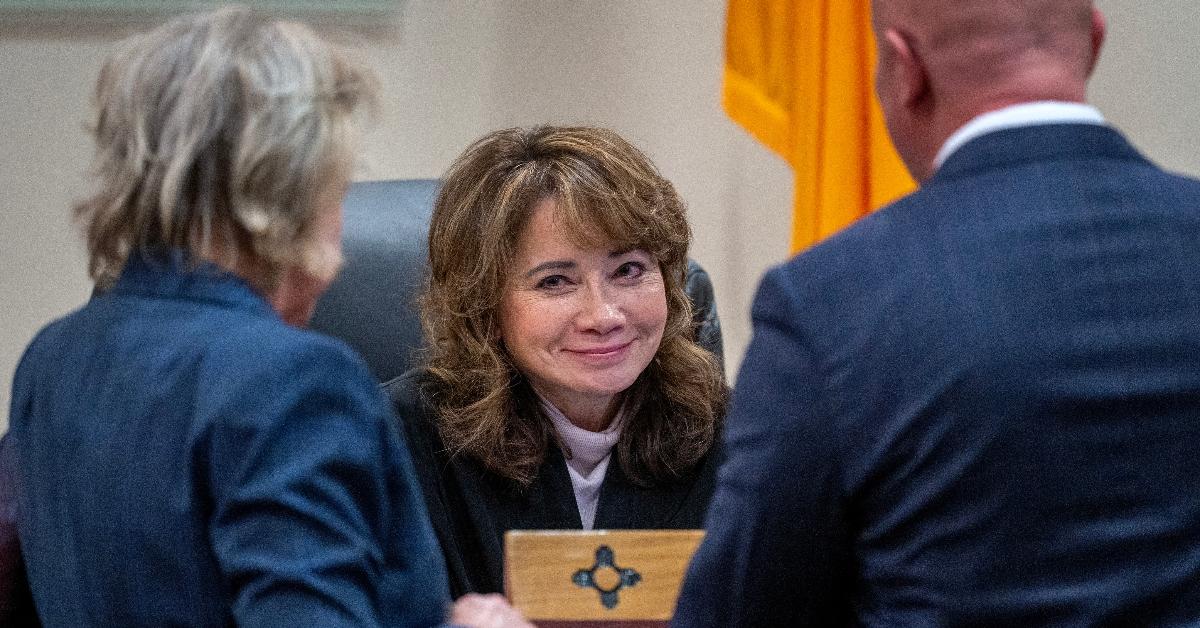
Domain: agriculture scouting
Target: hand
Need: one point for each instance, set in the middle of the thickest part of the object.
(486, 611)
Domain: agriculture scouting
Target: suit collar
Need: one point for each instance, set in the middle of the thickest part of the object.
(172, 275)
(1019, 115)
(1029, 144)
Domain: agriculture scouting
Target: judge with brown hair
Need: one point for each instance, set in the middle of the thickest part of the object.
(563, 387)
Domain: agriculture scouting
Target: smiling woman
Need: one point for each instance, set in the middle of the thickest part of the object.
(563, 386)
(581, 323)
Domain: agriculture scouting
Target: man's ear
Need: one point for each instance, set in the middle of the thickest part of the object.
(912, 77)
(1099, 28)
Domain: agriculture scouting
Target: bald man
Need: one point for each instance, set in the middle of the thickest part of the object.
(979, 405)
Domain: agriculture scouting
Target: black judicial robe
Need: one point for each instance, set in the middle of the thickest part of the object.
(471, 508)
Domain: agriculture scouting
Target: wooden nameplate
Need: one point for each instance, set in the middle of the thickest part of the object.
(608, 577)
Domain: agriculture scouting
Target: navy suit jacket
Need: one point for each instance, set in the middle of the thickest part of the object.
(977, 406)
(187, 459)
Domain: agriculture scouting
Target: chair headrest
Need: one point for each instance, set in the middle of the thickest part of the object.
(372, 304)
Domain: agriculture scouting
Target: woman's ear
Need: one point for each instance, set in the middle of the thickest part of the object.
(496, 332)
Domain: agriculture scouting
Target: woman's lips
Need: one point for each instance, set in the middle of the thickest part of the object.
(604, 353)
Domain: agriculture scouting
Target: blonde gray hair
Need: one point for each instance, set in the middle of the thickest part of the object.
(215, 134)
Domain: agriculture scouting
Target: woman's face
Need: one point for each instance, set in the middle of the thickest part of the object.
(580, 323)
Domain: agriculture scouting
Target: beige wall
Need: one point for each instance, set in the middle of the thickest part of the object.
(454, 69)
(1148, 81)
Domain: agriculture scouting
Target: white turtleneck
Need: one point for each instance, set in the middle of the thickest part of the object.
(587, 454)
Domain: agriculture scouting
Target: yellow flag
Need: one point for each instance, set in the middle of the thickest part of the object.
(798, 76)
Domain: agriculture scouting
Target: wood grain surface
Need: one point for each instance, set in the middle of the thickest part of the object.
(540, 566)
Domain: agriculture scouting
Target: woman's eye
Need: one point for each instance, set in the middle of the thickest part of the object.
(631, 270)
(553, 282)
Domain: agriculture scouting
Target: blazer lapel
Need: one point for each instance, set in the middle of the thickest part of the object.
(547, 504)
(625, 505)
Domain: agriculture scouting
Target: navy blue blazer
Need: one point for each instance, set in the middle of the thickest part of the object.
(977, 406)
(187, 459)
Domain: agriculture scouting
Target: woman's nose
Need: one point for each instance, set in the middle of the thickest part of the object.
(600, 311)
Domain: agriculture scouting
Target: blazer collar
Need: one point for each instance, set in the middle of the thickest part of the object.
(172, 275)
(1041, 142)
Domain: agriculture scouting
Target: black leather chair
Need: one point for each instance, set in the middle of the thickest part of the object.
(373, 303)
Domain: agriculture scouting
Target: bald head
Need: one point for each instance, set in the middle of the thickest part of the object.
(996, 43)
(942, 62)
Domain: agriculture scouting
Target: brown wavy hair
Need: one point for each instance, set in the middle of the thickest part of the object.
(606, 191)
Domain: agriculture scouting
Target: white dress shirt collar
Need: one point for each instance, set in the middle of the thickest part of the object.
(1024, 114)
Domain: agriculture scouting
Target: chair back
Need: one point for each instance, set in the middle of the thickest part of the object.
(372, 305)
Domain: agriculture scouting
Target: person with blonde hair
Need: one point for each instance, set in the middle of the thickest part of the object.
(563, 386)
(186, 454)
